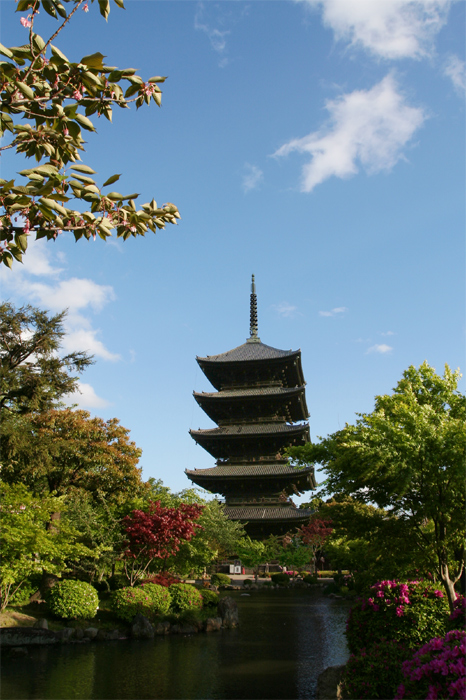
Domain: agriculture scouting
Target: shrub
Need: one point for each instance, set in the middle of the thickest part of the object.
(73, 600)
(26, 590)
(149, 600)
(209, 598)
(457, 620)
(248, 582)
(310, 578)
(185, 597)
(164, 580)
(281, 578)
(374, 672)
(410, 613)
(437, 670)
(220, 580)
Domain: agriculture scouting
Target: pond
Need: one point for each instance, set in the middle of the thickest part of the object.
(286, 638)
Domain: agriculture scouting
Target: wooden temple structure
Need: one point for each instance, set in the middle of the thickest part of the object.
(259, 406)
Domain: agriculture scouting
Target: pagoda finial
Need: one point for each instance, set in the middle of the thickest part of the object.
(253, 315)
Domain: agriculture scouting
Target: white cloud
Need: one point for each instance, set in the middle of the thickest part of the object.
(455, 69)
(286, 310)
(388, 333)
(73, 294)
(85, 339)
(381, 349)
(334, 312)
(217, 37)
(252, 177)
(85, 397)
(390, 29)
(368, 128)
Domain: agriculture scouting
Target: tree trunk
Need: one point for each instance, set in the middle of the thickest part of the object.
(448, 584)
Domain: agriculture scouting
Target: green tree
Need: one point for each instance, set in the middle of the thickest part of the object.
(253, 553)
(28, 545)
(46, 101)
(62, 451)
(408, 457)
(33, 376)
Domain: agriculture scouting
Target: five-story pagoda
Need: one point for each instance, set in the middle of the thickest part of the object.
(259, 407)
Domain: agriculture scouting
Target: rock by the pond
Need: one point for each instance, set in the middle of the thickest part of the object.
(41, 624)
(213, 624)
(66, 634)
(329, 684)
(175, 629)
(162, 628)
(101, 636)
(91, 632)
(113, 635)
(188, 629)
(19, 636)
(228, 611)
(141, 628)
(19, 651)
(79, 633)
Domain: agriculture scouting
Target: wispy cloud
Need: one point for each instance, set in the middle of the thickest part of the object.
(252, 177)
(334, 312)
(387, 333)
(381, 349)
(389, 29)
(455, 69)
(85, 397)
(217, 37)
(367, 128)
(286, 310)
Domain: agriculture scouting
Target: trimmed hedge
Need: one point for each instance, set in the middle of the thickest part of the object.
(220, 580)
(281, 578)
(72, 600)
(185, 597)
(150, 600)
(209, 598)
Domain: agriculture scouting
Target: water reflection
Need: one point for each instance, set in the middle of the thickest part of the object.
(285, 640)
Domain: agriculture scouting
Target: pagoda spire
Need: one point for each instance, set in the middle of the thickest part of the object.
(253, 326)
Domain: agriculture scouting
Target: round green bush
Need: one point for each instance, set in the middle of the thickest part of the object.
(220, 580)
(150, 600)
(248, 582)
(310, 578)
(184, 597)
(374, 672)
(410, 613)
(210, 598)
(72, 600)
(281, 578)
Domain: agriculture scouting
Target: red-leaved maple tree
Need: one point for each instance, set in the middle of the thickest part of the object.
(314, 534)
(156, 534)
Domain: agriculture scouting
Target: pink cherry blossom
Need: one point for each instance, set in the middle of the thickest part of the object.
(86, 8)
(26, 22)
(77, 95)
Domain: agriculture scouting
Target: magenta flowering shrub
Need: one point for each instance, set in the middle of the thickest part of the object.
(409, 612)
(457, 620)
(185, 597)
(374, 672)
(437, 670)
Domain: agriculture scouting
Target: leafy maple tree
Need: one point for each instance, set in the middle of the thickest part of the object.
(315, 534)
(156, 534)
(46, 101)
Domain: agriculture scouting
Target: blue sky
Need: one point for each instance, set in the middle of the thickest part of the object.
(318, 144)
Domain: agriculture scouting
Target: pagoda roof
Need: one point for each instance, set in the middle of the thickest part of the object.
(250, 352)
(267, 513)
(250, 429)
(242, 470)
(248, 392)
(241, 404)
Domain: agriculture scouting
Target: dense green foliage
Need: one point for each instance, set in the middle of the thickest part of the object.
(73, 600)
(374, 672)
(410, 613)
(220, 580)
(185, 597)
(128, 602)
(46, 102)
(281, 578)
(209, 598)
(407, 458)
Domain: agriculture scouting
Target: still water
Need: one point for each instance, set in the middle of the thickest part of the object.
(285, 639)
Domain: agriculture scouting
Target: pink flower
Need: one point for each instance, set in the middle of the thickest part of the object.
(86, 8)
(26, 22)
(66, 132)
(399, 611)
(77, 95)
(438, 594)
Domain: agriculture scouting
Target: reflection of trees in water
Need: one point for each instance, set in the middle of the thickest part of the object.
(285, 640)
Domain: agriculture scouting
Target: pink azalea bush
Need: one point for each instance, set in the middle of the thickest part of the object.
(457, 620)
(374, 672)
(437, 670)
(410, 613)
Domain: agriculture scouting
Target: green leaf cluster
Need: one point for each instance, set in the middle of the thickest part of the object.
(47, 101)
(73, 600)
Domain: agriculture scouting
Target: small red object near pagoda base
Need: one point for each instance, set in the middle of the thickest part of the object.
(260, 407)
